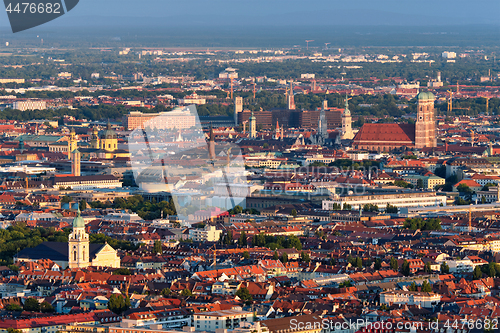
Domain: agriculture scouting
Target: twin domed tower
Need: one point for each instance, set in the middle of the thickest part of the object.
(108, 140)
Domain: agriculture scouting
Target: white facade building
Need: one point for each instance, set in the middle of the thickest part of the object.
(406, 199)
(224, 319)
(425, 300)
(207, 234)
(30, 104)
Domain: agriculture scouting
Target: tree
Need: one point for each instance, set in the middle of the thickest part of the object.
(304, 257)
(420, 183)
(246, 255)
(345, 284)
(464, 188)
(487, 186)
(427, 267)
(31, 304)
(389, 209)
(421, 224)
(394, 264)
(166, 292)
(378, 264)
(229, 237)
(477, 274)
(244, 294)
(483, 199)
(46, 307)
(445, 269)
(359, 262)
(13, 307)
(284, 258)
(157, 248)
(405, 268)
(242, 241)
(370, 208)
(186, 293)
(294, 241)
(82, 205)
(402, 183)
(66, 199)
(122, 271)
(118, 303)
(413, 287)
(294, 213)
(236, 210)
(276, 255)
(426, 287)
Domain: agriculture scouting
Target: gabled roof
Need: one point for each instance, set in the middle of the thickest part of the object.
(386, 132)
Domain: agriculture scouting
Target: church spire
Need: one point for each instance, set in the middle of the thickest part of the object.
(346, 110)
(322, 124)
(347, 133)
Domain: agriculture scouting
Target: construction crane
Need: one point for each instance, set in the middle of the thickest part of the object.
(214, 251)
(470, 219)
(231, 88)
(127, 287)
(307, 43)
(450, 106)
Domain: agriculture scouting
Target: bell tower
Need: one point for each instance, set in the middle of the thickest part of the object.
(72, 142)
(94, 143)
(347, 133)
(78, 251)
(425, 127)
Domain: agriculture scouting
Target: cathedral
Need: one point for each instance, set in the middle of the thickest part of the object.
(103, 144)
(383, 137)
(76, 254)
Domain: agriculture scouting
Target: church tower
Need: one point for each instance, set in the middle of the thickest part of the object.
(425, 127)
(322, 124)
(78, 251)
(253, 126)
(75, 163)
(347, 133)
(291, 100)
(72, 142)
(94, 143)
(238, 108)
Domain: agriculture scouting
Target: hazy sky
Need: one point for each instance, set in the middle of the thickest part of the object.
(281, 12)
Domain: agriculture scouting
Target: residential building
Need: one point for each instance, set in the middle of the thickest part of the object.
(399, 199)
(423, 299)
(224, 319)
(207, 234)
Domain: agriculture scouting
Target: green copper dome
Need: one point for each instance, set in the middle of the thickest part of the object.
(109, 133)
(426, 96)
(78, 221)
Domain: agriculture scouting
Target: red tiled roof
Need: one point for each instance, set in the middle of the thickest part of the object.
(386, 132)
(468, 182)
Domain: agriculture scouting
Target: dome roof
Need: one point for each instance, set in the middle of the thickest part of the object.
(109, 133)
(426, 96)
(78, 221)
